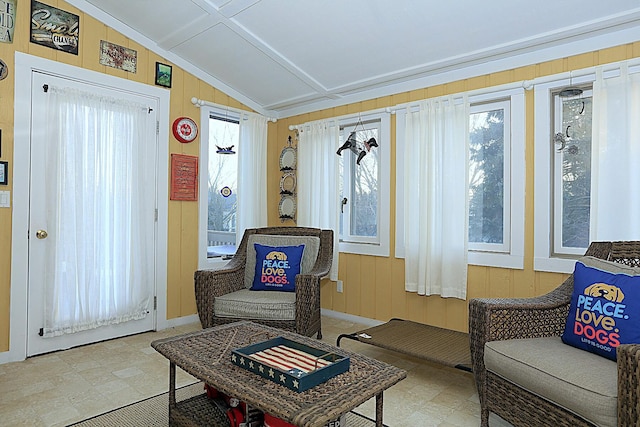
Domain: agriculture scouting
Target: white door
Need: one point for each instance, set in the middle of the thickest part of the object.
(92, 215)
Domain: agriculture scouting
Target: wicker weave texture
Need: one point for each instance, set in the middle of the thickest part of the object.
(544, 316)
(206, 355)
(210, 284)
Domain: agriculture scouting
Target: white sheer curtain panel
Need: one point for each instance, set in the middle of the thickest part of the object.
(435, 198)
(252, 174)
(318, 174)
(99, 162)
(615, 162)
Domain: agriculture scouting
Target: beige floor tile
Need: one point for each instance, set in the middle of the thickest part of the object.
(68, 386)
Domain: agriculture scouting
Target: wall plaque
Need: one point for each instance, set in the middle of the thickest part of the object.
(184, 177)
(7, 20)
(120, 57)
(54, 28)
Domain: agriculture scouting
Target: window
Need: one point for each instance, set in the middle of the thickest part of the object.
(489, 172)
(218, 184)
(562, 199)
(364, 186)
(496, 179)
(572, 172)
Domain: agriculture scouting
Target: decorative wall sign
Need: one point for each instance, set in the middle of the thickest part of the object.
(54, 28)
(184, 177)
(120, 57)
(4, 70)
(4, 173)
(7, 20)
(184, 129)
(163, 74)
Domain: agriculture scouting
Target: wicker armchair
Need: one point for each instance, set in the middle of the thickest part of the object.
(212, 284)
(545, 316)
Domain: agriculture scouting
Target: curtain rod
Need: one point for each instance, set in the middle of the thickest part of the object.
(200, 103)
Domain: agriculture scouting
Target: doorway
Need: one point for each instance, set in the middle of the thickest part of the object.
(33, 210)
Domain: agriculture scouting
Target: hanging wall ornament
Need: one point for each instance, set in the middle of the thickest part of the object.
(359, 148)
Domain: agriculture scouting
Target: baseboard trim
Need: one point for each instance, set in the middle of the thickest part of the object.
(350, 317)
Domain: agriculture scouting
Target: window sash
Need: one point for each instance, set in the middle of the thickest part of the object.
(503, 247)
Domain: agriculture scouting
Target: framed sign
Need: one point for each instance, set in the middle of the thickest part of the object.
(54, 28)
(4, 173)
(120, 57)
(7, 20)
(163, 74)
(184, 177)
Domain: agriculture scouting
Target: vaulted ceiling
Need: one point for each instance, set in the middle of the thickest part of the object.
(286, 57)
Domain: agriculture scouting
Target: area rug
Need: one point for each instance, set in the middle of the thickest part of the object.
(431, 343)
(154, 411)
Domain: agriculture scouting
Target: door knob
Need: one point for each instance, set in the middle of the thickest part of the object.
(41, 234)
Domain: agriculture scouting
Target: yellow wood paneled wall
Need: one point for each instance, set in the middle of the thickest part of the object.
(374, 286)
(183, 216)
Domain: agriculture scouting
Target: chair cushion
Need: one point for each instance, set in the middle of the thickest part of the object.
(605, 307)
(276, 267)
(579, 381)
(264, 305)
(309, 255)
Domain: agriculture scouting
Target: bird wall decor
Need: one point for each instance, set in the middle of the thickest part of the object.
(359, 148)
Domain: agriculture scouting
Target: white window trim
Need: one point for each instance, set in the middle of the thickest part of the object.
(515, 257)
(381, 248)
(206, 111)
(544, 260)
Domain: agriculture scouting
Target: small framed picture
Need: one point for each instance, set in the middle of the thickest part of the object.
(4, 173)
(163, 74)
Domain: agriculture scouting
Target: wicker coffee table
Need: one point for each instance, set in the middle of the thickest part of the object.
(206, 355)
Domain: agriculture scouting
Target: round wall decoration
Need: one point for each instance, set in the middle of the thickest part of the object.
(4, 70)
(185, 129)
(287, 207)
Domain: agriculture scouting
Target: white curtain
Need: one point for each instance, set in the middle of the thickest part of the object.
(318, 175)
(252, 174)
(615, 162)
(435, 198)
(100, 165)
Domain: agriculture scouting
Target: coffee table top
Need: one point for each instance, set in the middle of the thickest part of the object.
(206, 355)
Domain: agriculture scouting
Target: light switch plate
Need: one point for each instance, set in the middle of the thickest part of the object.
(5, 199)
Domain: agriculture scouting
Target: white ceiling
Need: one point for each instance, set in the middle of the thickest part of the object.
(286, 57)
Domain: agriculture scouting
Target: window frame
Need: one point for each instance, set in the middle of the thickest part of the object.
(206, 112)
(504, 247)
(544, 257)
(514, 257)
(378, 246)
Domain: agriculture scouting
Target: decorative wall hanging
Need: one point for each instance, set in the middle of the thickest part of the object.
(184, 129)
(184, 177)
(359, 147)
(163, 74)
(4, 173)
(4, 70)
(7, 20)
(54, 28)
(288, 163)
(120, 57)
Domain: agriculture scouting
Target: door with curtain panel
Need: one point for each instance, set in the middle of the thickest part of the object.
(92, 215)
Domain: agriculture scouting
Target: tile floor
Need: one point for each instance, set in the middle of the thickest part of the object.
(67, 386)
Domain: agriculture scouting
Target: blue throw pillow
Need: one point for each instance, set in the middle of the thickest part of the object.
(277, 267)
(605, 307)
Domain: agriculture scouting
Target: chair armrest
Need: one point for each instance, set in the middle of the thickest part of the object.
(511, 318)
(628, 384)
(210, 284)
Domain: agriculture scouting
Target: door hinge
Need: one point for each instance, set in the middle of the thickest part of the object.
(156, 214)
(157, 127)
(41, 332)
(155, 303)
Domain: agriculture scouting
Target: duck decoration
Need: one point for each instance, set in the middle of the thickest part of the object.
(359, 148)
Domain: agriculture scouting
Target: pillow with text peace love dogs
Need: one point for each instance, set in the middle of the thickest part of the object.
(605, 307)
(276, 267)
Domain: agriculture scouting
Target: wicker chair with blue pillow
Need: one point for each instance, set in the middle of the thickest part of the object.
(226, 295)
(529, 376)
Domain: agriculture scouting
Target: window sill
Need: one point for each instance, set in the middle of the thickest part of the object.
(364, 249)
(554, 265)
(488, 259)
